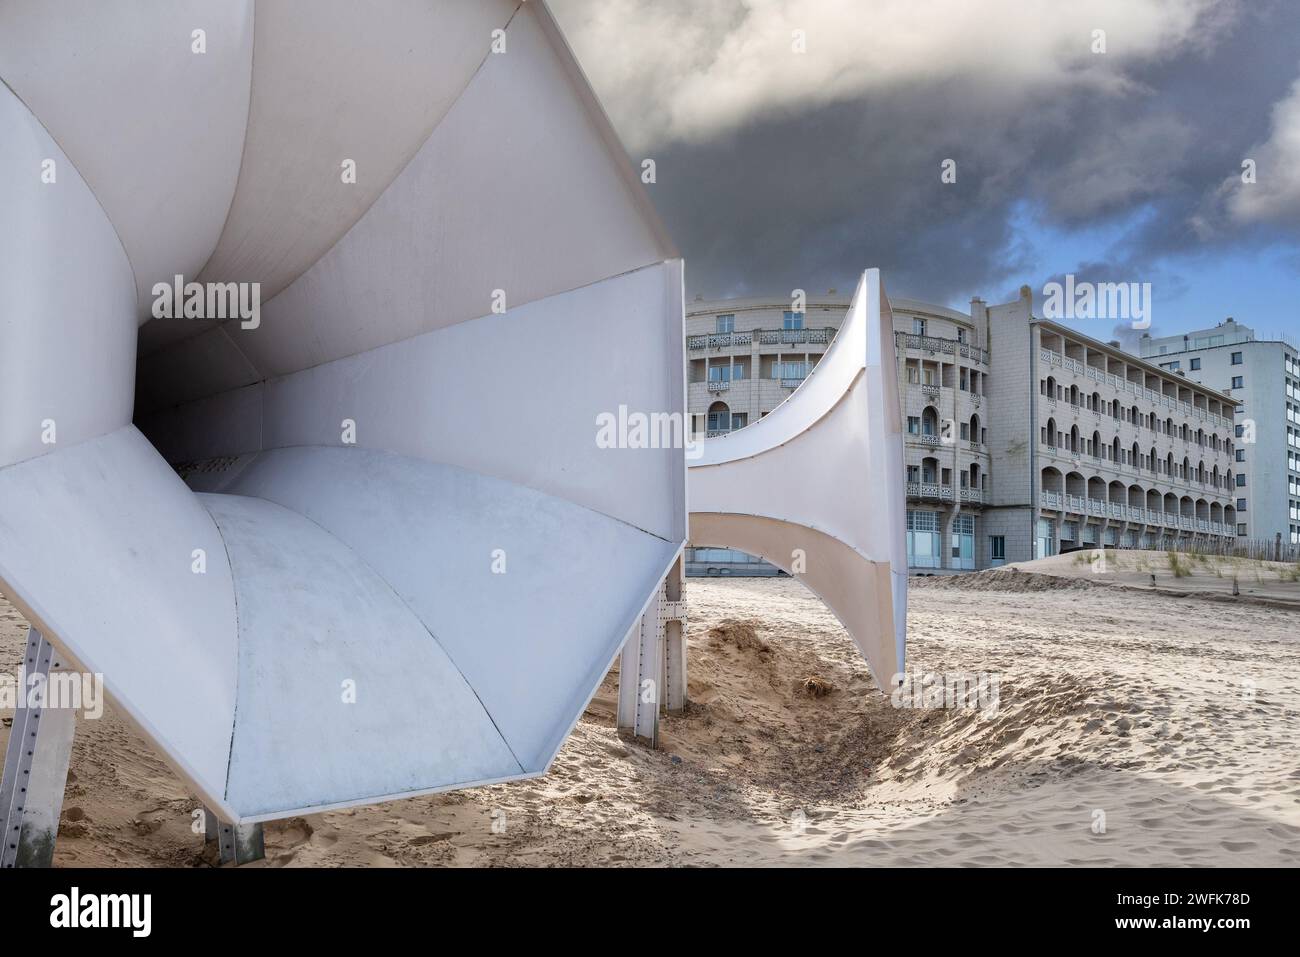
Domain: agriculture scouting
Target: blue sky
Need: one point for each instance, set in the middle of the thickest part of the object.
(1256, 284)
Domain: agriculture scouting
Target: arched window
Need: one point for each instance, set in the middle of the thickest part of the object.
(719, 417)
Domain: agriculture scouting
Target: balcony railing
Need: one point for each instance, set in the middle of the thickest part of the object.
(1132, 513)
(792, 382)
(767, 337)
(791, 337)
(719, 385)
(718, 340)
(950, 347)
(972, 495)
(925, 438)
(929, 490)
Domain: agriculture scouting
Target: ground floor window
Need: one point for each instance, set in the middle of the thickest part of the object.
(997, 549)
(1045, 540)
(963, 541)
(923, 539)
(730, 556)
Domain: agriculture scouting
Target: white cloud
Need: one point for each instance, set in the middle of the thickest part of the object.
(1275, 195)
(689, 70)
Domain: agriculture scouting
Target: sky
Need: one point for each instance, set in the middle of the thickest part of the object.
(797, 142)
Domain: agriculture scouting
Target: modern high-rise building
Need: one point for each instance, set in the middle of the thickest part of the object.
(1023, 437)
(1263, 378)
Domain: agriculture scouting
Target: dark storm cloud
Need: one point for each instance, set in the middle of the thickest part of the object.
(809, 191)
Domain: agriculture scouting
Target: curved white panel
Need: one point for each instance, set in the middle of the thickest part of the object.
(343, 694)
(825, 467)
(97, 548)
(155, 128)
(834, 572)
(333, 86)
(328, 560)
(531, 421)
(67, 302)
(529, 595)
(506, 194)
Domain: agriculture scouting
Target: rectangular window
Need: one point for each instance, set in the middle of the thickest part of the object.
(914, 425)
(963, 542)
(923, 539)
(961, 334)
(998, 548)
(1236, 358)
(1045, 539)
(1241, 455)
(1196, 364)
(792, 320)
(724, 324)
(1241, 528)
(918, 327)
(1241, 480)
(1238, 381)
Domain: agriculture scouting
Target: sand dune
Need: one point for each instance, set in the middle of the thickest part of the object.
(1174, 720)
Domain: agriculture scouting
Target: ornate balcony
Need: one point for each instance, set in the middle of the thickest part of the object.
(929, 491)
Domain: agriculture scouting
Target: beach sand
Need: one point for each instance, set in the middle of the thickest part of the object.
(1131, 729)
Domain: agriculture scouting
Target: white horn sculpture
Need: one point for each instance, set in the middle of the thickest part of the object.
(816, 486)
(398, 561)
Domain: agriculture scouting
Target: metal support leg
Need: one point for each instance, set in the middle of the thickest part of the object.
(639, 670)
(674, 676)
(239, 843)
(36, 764)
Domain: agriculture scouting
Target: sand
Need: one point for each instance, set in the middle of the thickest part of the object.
(1172, 721)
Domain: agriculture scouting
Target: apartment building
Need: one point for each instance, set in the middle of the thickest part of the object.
(745, 356)
(1263, 378)
(1092, 446)
(1023, 437)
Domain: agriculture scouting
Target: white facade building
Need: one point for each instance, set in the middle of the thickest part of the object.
(1263, 378)
(1022, 437)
